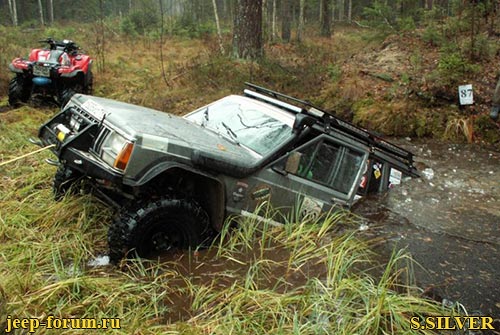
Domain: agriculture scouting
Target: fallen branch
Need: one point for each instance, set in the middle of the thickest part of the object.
(361, 25)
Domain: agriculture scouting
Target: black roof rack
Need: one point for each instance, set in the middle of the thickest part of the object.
(331, 121)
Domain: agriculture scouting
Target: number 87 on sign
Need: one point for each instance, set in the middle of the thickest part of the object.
(465, 94)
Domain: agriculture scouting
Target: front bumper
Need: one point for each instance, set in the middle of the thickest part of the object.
(76, 149)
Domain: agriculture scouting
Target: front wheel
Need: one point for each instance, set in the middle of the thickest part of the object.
(64, 181)
(89, 85)
(158, 226)
(19, 90)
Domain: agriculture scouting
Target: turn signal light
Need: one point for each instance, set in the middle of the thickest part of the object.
(124, 156)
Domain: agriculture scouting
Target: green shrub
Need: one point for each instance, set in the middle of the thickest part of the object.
(128, 27)
(61, 33)
(380, 15)
(406, 24)
(483, 49)
(186, 26)
(486, 129)
(141, 21)
(455, 27)
(453, 66)
(432, 36)
(334, 72)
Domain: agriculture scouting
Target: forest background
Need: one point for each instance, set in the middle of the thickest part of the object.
(391, 66)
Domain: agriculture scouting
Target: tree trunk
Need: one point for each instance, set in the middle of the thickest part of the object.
(42, 22)
(325, 24)
(265, 20)
(286, 21)
(219, 33)
(247, 34)
(496, 94)
(334, 6)
(349, 11)
(163, 74)
(341, 10)
(101, 56)
(273, 34)
(51, 11)
(13, 12)
(321, 10)
(473, 32)
(300, 30)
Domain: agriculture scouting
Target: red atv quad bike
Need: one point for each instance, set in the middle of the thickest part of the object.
(59, 71)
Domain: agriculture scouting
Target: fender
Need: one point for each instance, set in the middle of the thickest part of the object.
(33, 57)
(71, 74)
(162, 167)
(213, 201)
(83, 62)
(15, 69)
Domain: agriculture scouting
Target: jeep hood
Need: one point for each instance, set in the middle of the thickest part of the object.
(149, 125)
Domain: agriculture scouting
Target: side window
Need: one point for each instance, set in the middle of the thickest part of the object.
(331, 164)
(347, 170)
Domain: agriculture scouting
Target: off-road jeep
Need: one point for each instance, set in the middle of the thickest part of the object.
(175, 179)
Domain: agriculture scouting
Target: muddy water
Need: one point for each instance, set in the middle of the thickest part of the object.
(449, 220)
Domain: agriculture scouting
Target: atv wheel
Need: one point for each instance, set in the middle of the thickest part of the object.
(158, 226)
(19, 91)
(65, 95)
(64, 180)
(89, 87)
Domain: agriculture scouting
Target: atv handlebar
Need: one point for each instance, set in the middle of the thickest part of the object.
(50, 41)
(68, 45)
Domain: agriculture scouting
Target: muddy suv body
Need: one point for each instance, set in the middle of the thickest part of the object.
(175, 179)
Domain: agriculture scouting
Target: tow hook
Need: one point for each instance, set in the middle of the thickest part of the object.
(35, 142)
(52, 162)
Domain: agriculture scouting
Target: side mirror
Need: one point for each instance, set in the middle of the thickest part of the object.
(293, 162)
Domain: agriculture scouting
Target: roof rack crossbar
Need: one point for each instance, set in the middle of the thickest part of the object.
(338, 123)
(278, 95)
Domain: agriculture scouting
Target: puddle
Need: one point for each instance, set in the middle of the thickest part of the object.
(205, 268)
(449, 221)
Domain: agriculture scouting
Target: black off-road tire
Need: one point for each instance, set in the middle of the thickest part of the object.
(64, 181)
(19, 91)
(65, 95)
(89, 87)
(158, 226)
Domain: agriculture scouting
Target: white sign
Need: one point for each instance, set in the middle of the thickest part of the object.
(465, 94)
(94, 108)
(395, 177)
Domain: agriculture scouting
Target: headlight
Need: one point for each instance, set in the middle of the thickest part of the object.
(116, 151)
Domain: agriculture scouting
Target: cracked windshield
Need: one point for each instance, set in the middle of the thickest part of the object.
(257, 127)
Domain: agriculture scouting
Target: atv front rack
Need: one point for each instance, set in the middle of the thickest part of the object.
(329, 121)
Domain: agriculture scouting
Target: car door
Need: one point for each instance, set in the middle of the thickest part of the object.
(316, 176)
